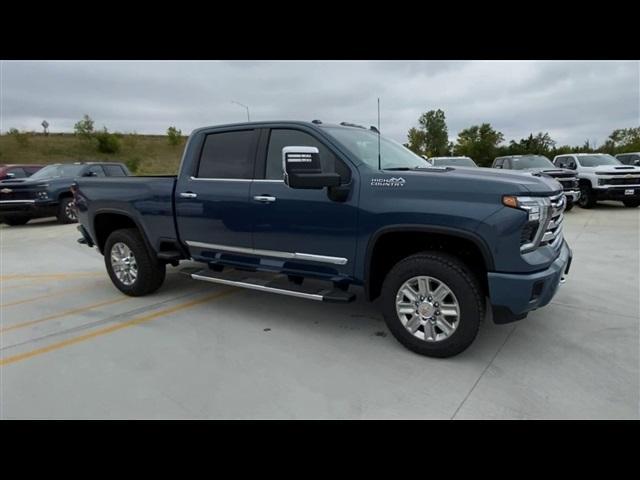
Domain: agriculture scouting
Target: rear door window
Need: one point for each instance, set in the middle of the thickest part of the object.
(114, 170)
(227, 155)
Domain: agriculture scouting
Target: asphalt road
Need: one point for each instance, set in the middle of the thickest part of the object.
(72, 346)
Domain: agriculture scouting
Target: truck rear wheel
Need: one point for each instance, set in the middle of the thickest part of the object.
(432, 304)
(131, 267)
(631, 203)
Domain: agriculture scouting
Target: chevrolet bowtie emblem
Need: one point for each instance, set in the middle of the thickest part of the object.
(6, 190)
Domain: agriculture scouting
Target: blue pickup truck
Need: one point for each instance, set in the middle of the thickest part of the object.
(47, 192)
(315, 210)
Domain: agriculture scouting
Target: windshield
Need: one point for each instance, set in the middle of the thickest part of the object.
(453, 162)
(53, 171)
(533, 161)
(596, 160)
(364, 145)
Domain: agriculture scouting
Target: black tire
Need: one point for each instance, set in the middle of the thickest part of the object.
(462, 283)
(151, 272)
(631, 203)
(14, 221)
(66, 211)
(569, 205)
(587, 197)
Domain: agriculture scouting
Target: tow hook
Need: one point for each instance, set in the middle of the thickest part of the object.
(563, 279)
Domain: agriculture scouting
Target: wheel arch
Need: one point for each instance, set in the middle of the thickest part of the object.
(108, 221)
(422, 237)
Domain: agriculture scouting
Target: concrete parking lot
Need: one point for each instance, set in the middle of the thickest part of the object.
(72, 346)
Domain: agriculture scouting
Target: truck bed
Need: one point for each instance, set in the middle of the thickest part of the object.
(148, 200)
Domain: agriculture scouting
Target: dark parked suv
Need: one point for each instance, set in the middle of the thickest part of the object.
(540, 165)
(47, 192)
(632, 158)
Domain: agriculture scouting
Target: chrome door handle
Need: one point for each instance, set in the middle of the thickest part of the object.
(264, 198)
(188, 195)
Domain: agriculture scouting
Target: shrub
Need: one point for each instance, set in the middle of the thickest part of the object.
(107, 142)
(84, 127)
(21, 137)
(175, 135)
(133, 164)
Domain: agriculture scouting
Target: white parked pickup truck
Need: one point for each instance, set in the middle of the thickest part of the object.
(603, 177)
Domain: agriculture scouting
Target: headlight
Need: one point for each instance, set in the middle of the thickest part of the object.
(602, 181)
(537, 209)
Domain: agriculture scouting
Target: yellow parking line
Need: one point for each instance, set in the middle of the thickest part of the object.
(48, 295)
(47, 276)
(63, 314)
(113, 328)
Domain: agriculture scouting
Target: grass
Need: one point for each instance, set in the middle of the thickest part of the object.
(154, 153)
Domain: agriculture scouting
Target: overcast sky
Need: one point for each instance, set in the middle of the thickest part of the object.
(573, 101)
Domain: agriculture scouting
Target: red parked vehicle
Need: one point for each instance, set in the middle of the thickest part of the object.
(18, 171)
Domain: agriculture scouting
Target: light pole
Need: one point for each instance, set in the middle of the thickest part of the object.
(244, 106)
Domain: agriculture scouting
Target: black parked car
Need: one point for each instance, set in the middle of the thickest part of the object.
(541, 165)
(47, 192)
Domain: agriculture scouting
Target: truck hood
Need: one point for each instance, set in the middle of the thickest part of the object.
(551, 172)
(508, 182)
(612, 169)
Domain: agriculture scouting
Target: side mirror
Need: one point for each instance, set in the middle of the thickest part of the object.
(498, 166)
(572, 165)
(10, 175)
(90, 174)
(302, 169)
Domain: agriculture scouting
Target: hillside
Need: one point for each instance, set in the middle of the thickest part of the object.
(153, 153)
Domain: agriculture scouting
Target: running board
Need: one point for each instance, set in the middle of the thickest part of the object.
(274, 284)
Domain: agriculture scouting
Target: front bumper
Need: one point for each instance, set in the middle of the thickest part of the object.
(514, 295)
(617, 193)
(27, 208)
(572, 195)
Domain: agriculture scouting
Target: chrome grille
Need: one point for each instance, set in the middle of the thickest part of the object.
(553, 233)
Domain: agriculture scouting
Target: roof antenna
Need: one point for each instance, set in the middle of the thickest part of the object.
(379, 160)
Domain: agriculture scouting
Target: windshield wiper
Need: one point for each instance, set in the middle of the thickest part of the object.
(399, 168)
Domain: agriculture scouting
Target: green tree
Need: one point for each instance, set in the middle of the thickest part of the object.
(479, 142)
(625, 139)
(540, 144)
(431, 137)
(174, 135)
(84, 127)
(107, 142)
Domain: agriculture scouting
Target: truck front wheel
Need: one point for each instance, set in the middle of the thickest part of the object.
(131, 267)
(66, 211)
(631, 203)
(432, 304)
(587, 197)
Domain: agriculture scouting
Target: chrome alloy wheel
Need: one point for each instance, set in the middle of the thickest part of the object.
(124, 263)
(427, 308)
(70, 212)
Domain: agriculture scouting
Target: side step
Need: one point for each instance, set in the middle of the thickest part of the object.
(266, 282)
